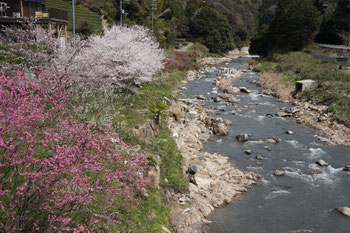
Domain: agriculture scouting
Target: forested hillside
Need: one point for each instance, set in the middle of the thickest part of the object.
(230, 23)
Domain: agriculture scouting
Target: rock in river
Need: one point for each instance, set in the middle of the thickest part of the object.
(344, 210)
(244, 90)
(321, 163)
(289, 132)
(248, 152)
(347, 168)
(259, 157)
(220, 129)
(242, 137)
(277, 139)
(279, 173)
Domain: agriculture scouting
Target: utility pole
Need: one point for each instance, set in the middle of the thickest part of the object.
(153, 8)
(73, 18)
(121, 12)
(22, 9)
(349, 31)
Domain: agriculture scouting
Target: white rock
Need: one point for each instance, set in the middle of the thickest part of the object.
(344, 210)
(321, 163)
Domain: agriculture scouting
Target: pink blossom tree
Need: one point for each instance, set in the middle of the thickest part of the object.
(57, 174)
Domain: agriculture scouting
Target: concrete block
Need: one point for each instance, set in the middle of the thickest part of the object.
(305, 85)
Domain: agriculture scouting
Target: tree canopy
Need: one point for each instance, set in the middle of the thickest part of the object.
(212, 29)
(293, 27)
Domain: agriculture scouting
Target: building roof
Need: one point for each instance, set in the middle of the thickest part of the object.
(37, 1)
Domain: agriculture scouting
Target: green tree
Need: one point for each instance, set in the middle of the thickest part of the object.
(294, 25)
(260, 41)
(212, 29)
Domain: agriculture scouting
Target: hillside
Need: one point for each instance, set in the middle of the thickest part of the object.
(82, 15)
(174, 18)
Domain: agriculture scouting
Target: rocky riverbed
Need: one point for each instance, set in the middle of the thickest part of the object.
(212, 180)
(332, 132)
(303, 180)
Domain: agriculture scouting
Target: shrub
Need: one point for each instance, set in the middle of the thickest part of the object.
(181, 60)
(57, 174)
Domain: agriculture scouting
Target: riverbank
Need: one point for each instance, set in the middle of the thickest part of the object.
(318, 108)
(213, 180)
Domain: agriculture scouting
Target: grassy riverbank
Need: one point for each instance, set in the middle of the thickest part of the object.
(132, 110)
(129, 111)
(281, 71)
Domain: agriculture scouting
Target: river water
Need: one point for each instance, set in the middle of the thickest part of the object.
(300, 200)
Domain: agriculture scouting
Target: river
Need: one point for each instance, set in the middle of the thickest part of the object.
(303, 200)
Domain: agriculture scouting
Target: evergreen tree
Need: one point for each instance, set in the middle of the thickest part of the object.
(212, 29)
(294, 25)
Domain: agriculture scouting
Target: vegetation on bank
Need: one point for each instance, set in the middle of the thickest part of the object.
(333, 84)
(127, 107)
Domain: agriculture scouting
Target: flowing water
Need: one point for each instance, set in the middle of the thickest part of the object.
(305, 197)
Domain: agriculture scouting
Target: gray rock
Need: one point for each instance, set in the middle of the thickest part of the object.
(270, 140)
(244, 90)
(313, 171)
(283, 114)
(233, 100)
(344, 210)
(166, 230)
(279, 173)
(194, 168)
(144, 192)
(217, 99)
(277, 139)
(303, 231)
(347, 168)
(227, 122)
(321, 163)
(200, 97)
(289, 132)
(220, 129)
(242, 137)
(269, 115)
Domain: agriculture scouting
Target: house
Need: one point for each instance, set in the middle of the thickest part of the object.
(24, 8)
(14, 11)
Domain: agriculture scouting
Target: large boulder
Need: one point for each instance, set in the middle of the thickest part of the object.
(220, 129)
(218, 125)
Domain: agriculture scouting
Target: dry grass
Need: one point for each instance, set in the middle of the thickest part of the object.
(277, 85)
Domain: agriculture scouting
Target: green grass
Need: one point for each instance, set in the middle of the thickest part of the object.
(81, 14)
(149, 216)
(333, 85)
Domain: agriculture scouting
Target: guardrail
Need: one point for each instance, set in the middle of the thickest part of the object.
(334, 46)
(331, 59)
